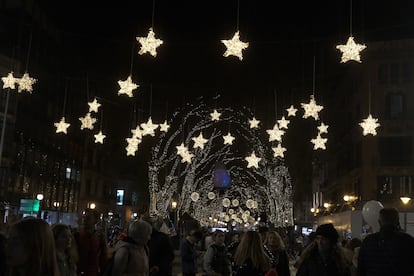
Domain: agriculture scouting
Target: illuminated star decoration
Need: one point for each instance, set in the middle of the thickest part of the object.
(323, 128)
(149, 44)
(350, 51)
(99, 137)
(283, 123)
(319, 142)
(369, 125)
(275, 133)
(87, 121)
(228, 139)
(215, 116)
(279, 151)
(62, 126)
(235, 46)
(127, 86)
(26, 83)
(199, 141)
(148, 128)
(311, 109)
(253, 161)
(183, 152)
(9, 81)
(164, 126)
(254, 123)
(291, 111)
(132, 147)
(137, 133)
(93, 106)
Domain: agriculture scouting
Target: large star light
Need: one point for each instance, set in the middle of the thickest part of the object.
(148, 128)
(26, 83)
(283, 123)
(99, 138)
(149, 44)
(254, 123)
(94, 105)
(127, 86)
(275, 133)
(9, 81)
(235, 46)
(164, 126)
(253, 161)
(369, 125)
(311, 109)
(323, 128)
(62, 126)
(279, 151)
(215, 116)
(291, 111)
(350, 51)
(228, 139)
(319, 142)
(87, 121)
(199, 141)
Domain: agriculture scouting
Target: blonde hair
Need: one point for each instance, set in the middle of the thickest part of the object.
(37, 237)
(280, 243)
(251, 248)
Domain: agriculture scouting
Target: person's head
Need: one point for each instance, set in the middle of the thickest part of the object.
(31, 248)
(251, 248)
(326, 236)
(63, 236)
(219, 237)
(354, 243)
(195, 236)
(140, 231)
(274, 240)
(389, 216)
(89, 218)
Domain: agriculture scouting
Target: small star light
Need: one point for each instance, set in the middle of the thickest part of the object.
(87, 121)
(215, 116)
(93, 106)
(253, 161)
(319, 142)
(131, 150)
(62, 126)
(181, 149)
(9, 81)
(228, 139)
(311, 109)
(275, 133)
(283, 123)
(127, 86)
(26, 83)
(350, 51)
(199, 141)
(148, 127)
(164, 126)
(291, 111)
(254, 123)
(279, 151)
(369, 126)
(137, 133)
(149, 44)
(235, 46)
(186, 157)
(323, 128)
(99, 137)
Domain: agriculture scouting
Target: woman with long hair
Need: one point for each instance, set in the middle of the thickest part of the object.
(250, 259)
(66, 252)
(275, 249)
(30, 249)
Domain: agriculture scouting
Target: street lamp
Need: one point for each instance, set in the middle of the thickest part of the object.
(174, 204)
(405, 199)
(92, 205)
(39, 197)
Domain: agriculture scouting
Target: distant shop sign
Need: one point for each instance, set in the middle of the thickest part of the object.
(29, 205)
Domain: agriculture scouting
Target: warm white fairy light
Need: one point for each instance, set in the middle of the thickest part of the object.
(275, 133)
(164, 126)
(199, 141)
(253, 160)
(9, 81)
(311, 109)
(279, 151)
(26, 83)
(283, 123)
(369, 125)
(323, 128)
(62, 126)
(87, 121)
(291, 111)
(319, 142)
(350, 51)
(235, 46)
(195, 196)
(149, 44)
(254, 123)
(127, 86)
(94, 106)
(215, 116)
(211, 195)
(226, 202)
(228, 139)
(99, 138)
(148, 128)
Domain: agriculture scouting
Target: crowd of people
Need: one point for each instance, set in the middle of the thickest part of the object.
(32, 247)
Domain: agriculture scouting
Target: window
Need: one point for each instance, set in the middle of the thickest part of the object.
(395, 151)
(395, 105)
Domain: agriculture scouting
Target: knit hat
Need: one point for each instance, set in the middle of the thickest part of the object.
(328, 231)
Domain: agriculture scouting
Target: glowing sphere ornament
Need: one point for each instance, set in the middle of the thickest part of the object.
(195, 196)
(211, 195)
(235, 46)
(62, 126)
(350, 51)
(149, 44)
(127, 86)
(249, 203)
(235, 202)
(226, 202)
(26, 83)
(369, 126)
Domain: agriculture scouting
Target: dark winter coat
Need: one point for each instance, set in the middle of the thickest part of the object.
(161, 253)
